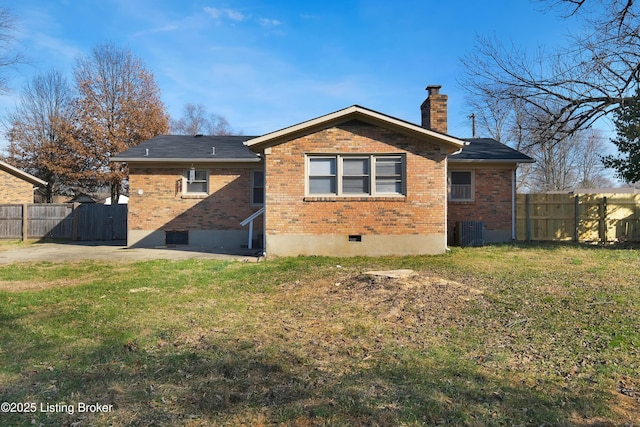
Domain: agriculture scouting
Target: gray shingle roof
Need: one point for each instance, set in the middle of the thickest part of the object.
(190, 148)
(488, 150)
(186, 148)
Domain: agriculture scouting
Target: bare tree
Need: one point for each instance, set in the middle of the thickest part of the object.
(575, 85)
(197, 120)
(566, 160)
(37, 131)
(491, 115)
(118, 107)
(8, 58)
(591, 169)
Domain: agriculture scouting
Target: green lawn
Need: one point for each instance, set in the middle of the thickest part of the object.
(494, 336)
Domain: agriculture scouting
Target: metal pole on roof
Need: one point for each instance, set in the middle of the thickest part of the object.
(472, 116)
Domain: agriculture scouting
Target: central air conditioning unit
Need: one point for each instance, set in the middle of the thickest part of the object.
(469, 233)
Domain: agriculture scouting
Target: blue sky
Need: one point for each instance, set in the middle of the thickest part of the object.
(265, 65)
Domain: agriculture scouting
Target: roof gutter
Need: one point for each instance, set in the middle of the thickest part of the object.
(454, 160)
(183, 160)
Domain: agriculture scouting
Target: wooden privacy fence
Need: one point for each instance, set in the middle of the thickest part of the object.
(64, 221)
(603, 218)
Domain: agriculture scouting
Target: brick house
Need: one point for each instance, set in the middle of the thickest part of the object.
(352, 182)
(16, 186)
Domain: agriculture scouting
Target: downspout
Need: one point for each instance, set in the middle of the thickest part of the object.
(446, 196)
(264, 201)
(446, 203)
(513, 205)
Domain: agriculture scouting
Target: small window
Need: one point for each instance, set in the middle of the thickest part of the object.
(196, 181)
(461, 185)
(257, 187)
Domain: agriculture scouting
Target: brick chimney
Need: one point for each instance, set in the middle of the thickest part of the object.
(434, 110)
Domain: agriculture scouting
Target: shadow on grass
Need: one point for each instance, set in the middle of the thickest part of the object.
(552, 245)
(221, 381)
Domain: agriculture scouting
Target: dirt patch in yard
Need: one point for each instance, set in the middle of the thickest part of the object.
(359, 315)
(412, 300)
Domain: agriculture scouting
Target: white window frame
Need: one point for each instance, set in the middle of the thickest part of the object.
(185, 183)
(339, 175)
(253, 187)
(452, 193)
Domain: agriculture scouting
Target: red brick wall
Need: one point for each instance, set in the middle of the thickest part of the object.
(434, 113)
(14, 190)
(422, 211)
(162, 206)
(491, 204)
(434, 110)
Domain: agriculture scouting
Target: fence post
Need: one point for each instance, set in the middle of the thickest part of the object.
(576, 218)
(527, 220)
(76, 219)
(604, 220)
(25, 223)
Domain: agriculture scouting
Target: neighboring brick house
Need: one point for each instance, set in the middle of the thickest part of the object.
(353, 182)
(16, 186)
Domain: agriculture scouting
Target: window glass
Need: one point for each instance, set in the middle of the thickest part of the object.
(460, 186)
(461, 178)
(388, 185)
(355, 175)
(389, 175)
(355, 185)
(355, 166)
(389, 166)
(197, 187)
(196, 181)
(322, 166)
(322, 185)
(322, 175)
(257, 190)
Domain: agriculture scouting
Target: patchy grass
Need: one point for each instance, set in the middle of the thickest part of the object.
(9, 244)
(500, 335)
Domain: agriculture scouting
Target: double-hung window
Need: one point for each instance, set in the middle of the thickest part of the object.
(196, 181)
(460, 186)
(257, 187)
(323, 175)
(355, 175)
(389, 174)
